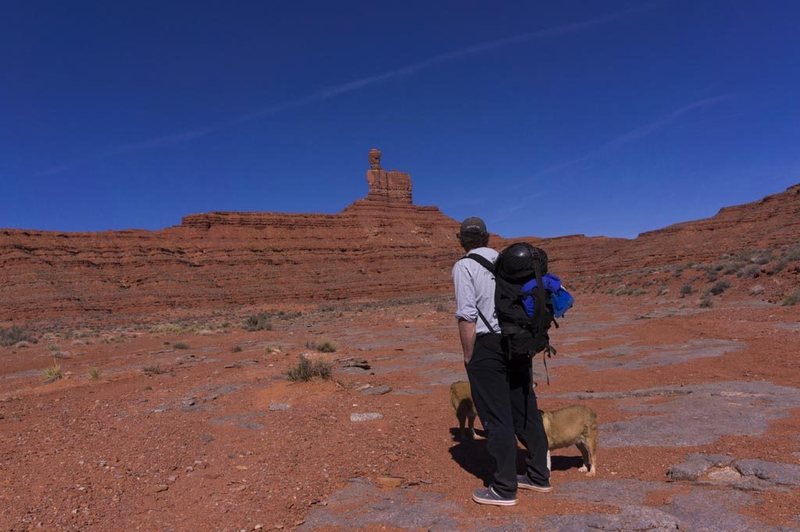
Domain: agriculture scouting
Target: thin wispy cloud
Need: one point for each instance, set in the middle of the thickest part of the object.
(157, 142)
(358, 84)
(635, 134)
(616, 143)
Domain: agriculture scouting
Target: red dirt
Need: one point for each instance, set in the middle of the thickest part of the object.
(136, 450)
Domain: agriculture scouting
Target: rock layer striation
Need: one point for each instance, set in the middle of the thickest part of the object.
(379, 247)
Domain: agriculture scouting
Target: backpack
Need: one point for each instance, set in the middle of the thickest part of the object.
(527, 300)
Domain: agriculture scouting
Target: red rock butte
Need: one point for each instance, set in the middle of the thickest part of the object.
(380, 246)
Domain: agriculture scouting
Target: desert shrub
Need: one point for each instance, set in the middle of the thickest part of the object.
(14, 335)
(719, 287)
(686, 290)
(792, 299)
(306, 369)
(325, 346)
(153, 370)
(732, 267)
(171, 328)
(762, 258)
(705, 302)
(52, 373)
(711, 275)
(258, 322)
(756, 290)
(793, 253)
(751, 271)
(94, 373)
(236, 349)
(778, 267)
(327, 308)
(180, 345)
(441, 307)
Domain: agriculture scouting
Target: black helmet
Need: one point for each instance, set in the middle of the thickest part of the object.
(519, 261)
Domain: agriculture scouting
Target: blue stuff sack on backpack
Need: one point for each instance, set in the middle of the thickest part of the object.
(560, 300)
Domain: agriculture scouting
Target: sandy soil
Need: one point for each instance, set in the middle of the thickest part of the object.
(198, 428)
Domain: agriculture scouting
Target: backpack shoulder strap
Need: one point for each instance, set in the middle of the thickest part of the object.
(483, 261)
(486, 263)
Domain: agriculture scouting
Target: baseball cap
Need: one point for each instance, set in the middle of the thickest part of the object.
(473, 224)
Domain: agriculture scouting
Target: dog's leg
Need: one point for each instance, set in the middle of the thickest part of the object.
(588, 453)
(591, 452)
(462, 420)
(474, 435)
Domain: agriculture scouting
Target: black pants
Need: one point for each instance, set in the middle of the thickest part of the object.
(507, 407)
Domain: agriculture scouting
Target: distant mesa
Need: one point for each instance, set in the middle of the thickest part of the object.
(389, 192)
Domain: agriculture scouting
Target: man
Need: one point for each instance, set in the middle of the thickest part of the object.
(501, 389)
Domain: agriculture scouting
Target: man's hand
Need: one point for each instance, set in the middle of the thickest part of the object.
(466, 331)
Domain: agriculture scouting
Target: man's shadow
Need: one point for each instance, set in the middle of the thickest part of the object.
(473, 457)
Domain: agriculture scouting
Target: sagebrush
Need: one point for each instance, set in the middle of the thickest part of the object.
(307, 369)
(14, 335)
(258, 322)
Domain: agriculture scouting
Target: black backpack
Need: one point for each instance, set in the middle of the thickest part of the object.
(523, 336)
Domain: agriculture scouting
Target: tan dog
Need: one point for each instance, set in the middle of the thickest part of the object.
(461, 399)
(572, 425)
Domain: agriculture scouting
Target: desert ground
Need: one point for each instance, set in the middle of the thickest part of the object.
(189, 422)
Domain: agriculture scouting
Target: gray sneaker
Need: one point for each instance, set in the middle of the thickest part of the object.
(523, 482)
(489, 496)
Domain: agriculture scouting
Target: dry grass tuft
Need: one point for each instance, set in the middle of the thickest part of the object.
(52, 373)
(306, 369)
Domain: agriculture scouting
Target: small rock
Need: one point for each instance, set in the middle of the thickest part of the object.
(172, 478)
(389, 482)
(725, 475)
(377, 390)
(367, 416)
(354, 363)
(159, 488)
(278, 406)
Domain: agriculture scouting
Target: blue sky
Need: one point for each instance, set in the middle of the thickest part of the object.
(545, 118)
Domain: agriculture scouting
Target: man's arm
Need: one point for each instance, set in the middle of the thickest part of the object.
(466, 331)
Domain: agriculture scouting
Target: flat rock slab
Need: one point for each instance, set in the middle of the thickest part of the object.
(362, 505)
(629, 518)
(244, 420)
(696, 414)
(637, 357)
(741, 474)
(703, 508)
